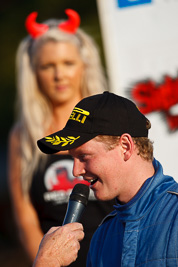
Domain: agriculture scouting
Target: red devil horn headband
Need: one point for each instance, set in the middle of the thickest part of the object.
(73, 22)
(36, 29)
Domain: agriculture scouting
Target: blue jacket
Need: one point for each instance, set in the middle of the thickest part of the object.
(143, 232)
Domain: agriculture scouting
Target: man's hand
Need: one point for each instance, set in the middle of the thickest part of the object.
(59, 246)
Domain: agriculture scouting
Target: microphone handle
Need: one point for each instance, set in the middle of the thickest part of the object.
(74, 212)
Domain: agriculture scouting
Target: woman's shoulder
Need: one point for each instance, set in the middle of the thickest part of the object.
(14, 134)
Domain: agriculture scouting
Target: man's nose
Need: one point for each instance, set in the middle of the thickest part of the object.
(78, 168)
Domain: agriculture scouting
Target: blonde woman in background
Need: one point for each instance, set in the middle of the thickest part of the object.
(57, 65)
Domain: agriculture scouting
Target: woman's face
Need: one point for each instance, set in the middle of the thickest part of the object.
(59, 71)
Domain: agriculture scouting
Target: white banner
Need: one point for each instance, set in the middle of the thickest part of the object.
(140, 39)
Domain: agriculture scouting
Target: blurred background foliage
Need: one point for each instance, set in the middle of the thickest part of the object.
(12, 17)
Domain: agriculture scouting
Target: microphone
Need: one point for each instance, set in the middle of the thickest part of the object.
(77, 203)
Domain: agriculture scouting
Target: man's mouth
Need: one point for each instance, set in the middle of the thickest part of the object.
(92, 182)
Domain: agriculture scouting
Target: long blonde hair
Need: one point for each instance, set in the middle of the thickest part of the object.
(34, 112)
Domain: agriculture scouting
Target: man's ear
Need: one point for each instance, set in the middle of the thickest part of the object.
(127, 146)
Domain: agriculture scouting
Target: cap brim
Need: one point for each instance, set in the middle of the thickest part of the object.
(63, 140)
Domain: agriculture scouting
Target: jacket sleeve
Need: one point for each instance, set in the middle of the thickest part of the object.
(88, 260)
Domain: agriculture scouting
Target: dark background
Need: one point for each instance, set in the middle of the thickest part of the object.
(12, 17)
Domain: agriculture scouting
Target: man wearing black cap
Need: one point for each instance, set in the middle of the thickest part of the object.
(108, 138)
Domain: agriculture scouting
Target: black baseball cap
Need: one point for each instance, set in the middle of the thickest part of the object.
(101, 114)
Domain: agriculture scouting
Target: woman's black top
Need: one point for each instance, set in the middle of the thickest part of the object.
(49, 192)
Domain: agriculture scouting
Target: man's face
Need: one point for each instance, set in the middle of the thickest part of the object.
(101, 167)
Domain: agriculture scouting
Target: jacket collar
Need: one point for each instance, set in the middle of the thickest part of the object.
(153, 188)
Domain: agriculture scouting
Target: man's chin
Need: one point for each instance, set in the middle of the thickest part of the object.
(98, 196)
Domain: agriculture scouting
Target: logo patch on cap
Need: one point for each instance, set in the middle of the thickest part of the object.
(79, 115)
(64, 141)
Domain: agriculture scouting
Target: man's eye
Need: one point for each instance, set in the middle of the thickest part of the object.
(83, 157)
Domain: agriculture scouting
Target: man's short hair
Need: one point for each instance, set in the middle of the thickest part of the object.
(144, 145)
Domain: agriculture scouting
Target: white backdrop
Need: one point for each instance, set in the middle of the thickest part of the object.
(140, 39)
